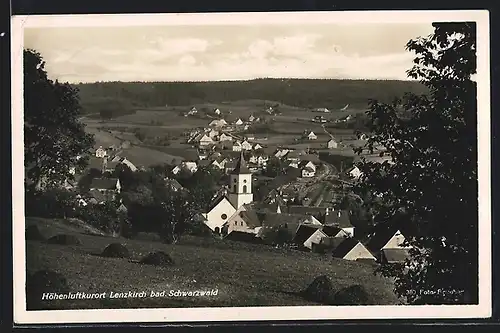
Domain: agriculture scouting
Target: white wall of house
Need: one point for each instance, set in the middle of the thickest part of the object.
(359, 252)
(395, 242)
(307, 173)
(219, 214)
(316, 238)
(349, 231)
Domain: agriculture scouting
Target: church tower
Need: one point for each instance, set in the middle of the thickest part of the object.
(240, 186)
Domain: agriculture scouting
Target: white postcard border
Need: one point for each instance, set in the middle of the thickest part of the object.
(482, 310)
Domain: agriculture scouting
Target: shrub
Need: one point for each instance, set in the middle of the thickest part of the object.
(33, 233)
(320, 290)
(43, 281)
(115, 250)
(158, 259)
(63, 239)
(352, 295)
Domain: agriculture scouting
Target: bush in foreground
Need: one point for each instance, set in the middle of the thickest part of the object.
(115, 250)
(33, 233)
(352, 295)
(64, 239)
(157, 259)
(320, 290)
(43, 281)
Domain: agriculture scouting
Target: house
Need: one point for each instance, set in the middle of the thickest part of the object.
(352, 249)
(217, 111)
(280, 153)
(122, 209)
(388, 244)
(100, 152)
(225, 137)
(354, 172)
(190, 166)
(307, 172)
(392, 256)
(241, 236)
(129, 164)
(257, 147)
(308, 164)
(332, 144)
(205, 140)
(229, 202)
(172, 184)
(105, 185)
(212, 133)
(339, 219)
(95, 197)
(311, 136)
(245, 145)
(238, 122)
(251, 118)
(321, 110)
(193, 111)
(237, 146)
(217, 123)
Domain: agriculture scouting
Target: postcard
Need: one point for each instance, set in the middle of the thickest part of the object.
(222, 167)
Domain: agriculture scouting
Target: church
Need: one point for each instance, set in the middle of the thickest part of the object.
(225, 211)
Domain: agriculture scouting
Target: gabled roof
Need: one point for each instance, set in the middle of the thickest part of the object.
(345, 247)
(331, 231)
(241, 167)
(97, 195)
(304, 232)
(342, 221)
(95, 163)
(104, 183)
(220, 197)
(309, 158)
(383, 232)
(308, 169)
(332, 242)
(251, 217)
(303, 210)
(173, 183)
(241, 236)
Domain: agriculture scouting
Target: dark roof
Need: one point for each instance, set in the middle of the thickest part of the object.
(332, 242)
(95, 163)
(241, 167)
(217, 200)
(97, 195)
(304, 232)
(382, 233)
(251, 217)
(342, 221)
(344, 247)
(303, 210)
(330, 230)
(310, 157)
(241, 236)
(104, 183)
(276, 219)
(173, 183)
(395, 255)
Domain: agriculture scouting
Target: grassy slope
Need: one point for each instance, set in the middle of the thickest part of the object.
(244, 274)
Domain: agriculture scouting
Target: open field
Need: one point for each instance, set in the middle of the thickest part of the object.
(244, 274)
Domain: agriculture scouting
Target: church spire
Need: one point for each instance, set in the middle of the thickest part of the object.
(241, 167)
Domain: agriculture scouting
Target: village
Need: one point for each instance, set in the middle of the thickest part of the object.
(302, 198)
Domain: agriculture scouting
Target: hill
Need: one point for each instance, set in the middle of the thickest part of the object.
(244, 274)
(124, 97)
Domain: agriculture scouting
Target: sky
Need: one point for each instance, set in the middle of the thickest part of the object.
(226, 52)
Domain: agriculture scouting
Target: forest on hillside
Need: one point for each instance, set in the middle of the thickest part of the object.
(124, 97)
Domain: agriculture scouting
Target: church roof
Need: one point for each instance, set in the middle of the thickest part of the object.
(241, 167)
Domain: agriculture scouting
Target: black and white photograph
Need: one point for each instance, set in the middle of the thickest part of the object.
(251, 166)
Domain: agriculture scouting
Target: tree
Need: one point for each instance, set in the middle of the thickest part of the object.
(275, 167)
(431, 184)
(54, 139)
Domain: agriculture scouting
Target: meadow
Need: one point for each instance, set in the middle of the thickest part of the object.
(244, 274)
